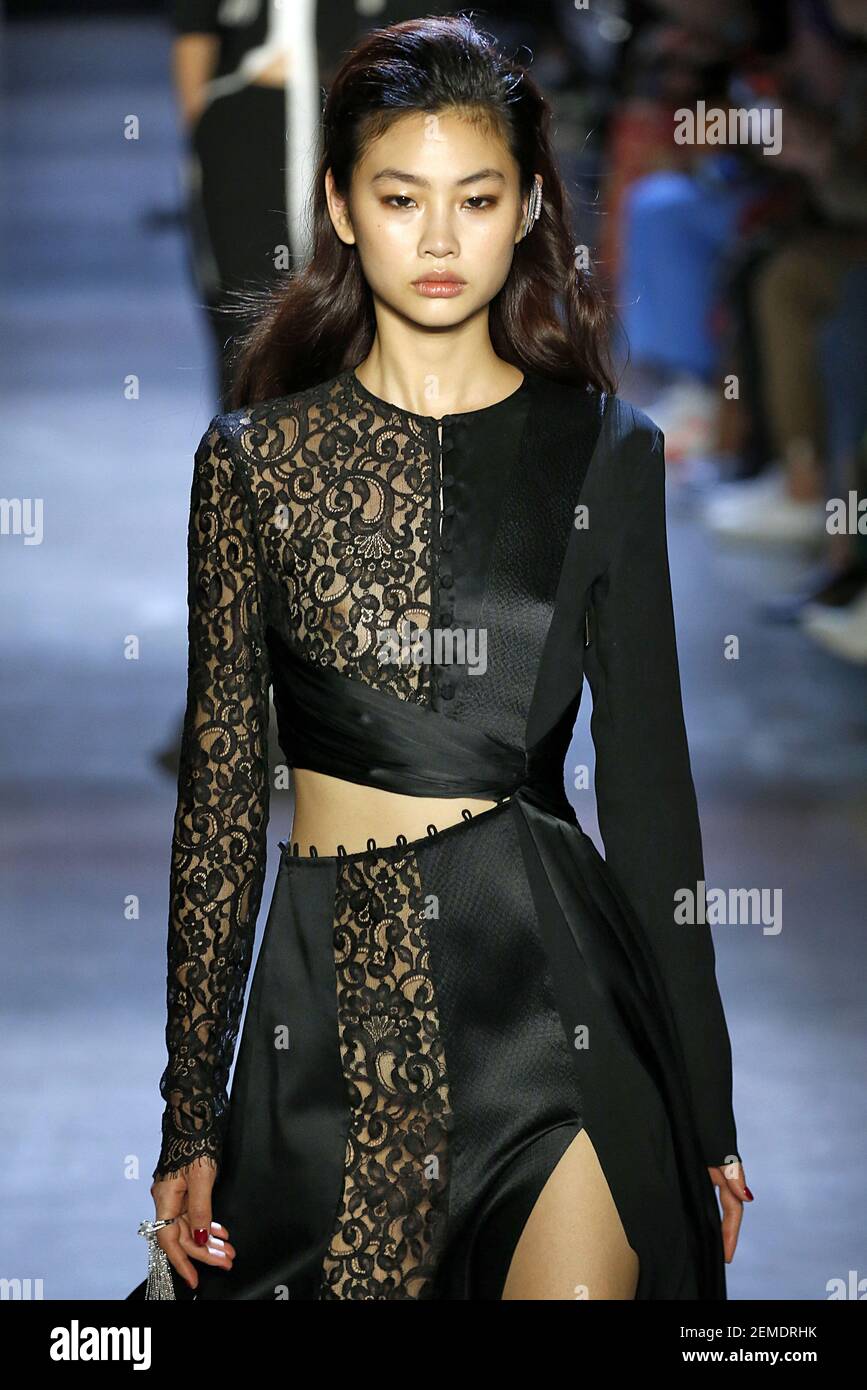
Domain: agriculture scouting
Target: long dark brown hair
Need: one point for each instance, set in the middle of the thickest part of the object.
(549, 316)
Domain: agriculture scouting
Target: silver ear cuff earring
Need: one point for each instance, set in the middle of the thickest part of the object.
(534, 207)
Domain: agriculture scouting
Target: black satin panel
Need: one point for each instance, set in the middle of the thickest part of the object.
(481, 453)
(545, 765)
(526, 565)
(331, 723)
(592, 936)
(511, 1082)
(282, 1169)
(281, 1173)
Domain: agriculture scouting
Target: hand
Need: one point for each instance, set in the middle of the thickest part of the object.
(187, 1196)
(733, 1192)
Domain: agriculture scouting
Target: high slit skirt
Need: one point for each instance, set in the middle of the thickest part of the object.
(425, 1036)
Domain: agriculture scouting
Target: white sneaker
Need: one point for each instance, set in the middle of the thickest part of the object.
(686, 412)
(842, 631)
(760, 509)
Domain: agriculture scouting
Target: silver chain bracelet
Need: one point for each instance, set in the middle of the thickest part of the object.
(159, 1283)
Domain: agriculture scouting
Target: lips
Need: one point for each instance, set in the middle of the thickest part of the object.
(438, 279)
(433, 286)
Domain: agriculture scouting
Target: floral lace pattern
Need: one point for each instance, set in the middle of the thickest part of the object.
(218, 843)
(392, 1213)
(343, 495)
(312, 513)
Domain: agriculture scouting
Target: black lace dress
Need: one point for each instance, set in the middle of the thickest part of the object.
(431, 1022)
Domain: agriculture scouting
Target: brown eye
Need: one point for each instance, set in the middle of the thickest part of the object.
(480, 198)
(394, 198)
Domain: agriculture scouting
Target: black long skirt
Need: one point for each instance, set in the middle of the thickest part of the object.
(422, 1043)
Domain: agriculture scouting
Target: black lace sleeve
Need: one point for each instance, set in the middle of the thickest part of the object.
(219, 841)
(645, 795)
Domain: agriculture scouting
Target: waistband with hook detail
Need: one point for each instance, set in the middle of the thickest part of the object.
(292, 850)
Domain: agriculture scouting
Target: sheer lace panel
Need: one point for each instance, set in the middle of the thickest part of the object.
(344, 498)
(219, 840)
(392, 1212)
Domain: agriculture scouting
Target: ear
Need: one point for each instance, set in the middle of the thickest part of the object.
(525, 207)
(338, 211)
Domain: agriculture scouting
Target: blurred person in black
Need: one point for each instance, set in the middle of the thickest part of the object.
(243, 72)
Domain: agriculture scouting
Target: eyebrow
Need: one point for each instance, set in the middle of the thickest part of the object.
(425, 183)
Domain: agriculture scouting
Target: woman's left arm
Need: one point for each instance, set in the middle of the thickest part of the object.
(646, 801)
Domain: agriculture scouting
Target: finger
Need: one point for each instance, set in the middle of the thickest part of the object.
(733, 1172)
(170, 1240)
(218, 1251)
(181, 1250)
(199, 1188)
(733, 1211)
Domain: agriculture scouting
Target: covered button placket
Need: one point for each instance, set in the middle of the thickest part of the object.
(451, 437)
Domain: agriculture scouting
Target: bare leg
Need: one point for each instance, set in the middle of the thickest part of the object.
(573, 1244)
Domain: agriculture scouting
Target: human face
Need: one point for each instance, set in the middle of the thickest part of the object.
(436, 196)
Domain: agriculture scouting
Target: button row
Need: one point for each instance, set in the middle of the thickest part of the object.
(456, 435)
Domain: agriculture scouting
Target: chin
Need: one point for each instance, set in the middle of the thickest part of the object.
(455, 310)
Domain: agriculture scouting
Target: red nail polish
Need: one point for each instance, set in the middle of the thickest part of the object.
(750, 1197)
(200, 1236)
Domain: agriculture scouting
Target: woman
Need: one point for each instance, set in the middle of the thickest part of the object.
(478, 1061)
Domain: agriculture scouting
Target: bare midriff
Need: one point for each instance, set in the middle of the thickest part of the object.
(330, 812)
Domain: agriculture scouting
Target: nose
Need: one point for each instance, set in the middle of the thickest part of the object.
(438, 234)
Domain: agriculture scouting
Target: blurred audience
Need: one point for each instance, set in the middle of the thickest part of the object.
(737, 252)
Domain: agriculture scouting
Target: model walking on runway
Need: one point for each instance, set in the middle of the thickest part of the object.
(479, 1060)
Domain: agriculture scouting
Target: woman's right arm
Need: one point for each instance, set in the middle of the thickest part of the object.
(219, 840)
(218, 850)
(646, 800)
